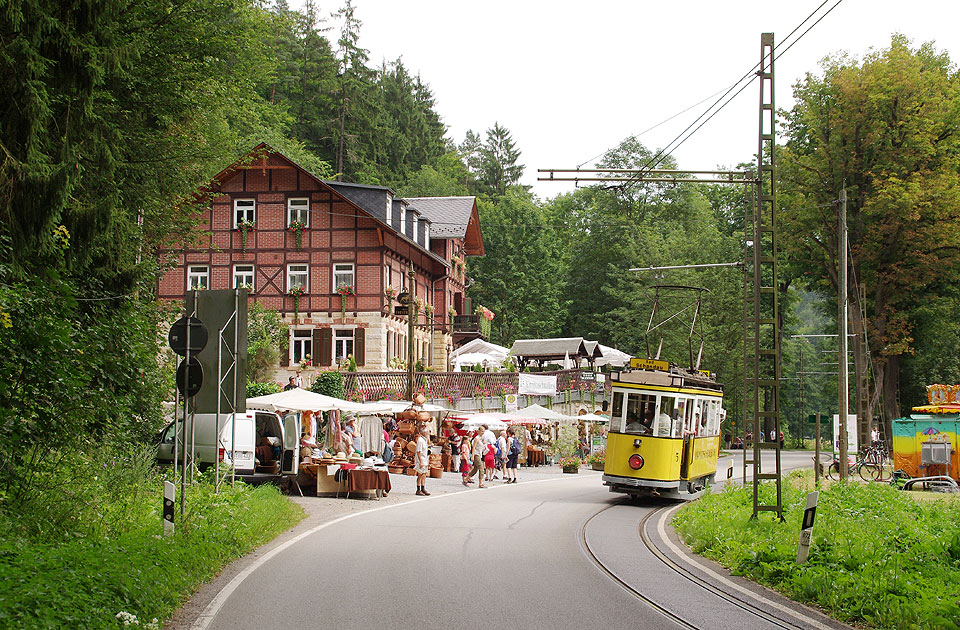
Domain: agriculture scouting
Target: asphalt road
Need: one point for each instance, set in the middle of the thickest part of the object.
(503, 557)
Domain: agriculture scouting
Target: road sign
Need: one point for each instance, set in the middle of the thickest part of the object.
(178, 336)
(189, 377)
(401, 310)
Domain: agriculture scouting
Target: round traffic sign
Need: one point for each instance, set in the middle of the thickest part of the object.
(189, 377)
(178, 335)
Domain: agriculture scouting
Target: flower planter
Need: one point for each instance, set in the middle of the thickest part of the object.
(436, 473)
(597, 466)
(571, 470)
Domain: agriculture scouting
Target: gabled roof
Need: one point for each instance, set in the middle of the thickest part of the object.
(363, 197)
(552, 348)
(452, 217)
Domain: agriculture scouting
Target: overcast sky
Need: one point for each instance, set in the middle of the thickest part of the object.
(572, 79)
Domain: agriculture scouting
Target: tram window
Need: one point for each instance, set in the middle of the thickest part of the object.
(640, 413)
(665, 417)
(616, 416)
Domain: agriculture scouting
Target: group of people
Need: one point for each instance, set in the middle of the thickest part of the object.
(484, 455)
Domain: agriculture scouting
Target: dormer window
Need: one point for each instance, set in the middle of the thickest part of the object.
(389, 215)
(403, 220)
(426, 235)
(416, 221)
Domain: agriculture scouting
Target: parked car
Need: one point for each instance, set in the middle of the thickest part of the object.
(252, 429)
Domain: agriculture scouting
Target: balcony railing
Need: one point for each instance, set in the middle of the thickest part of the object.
(466, 324)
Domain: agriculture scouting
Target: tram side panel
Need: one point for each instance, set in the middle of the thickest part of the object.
(706, 450)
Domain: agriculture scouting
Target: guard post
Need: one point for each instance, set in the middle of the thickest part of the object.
(169, 500)
(806, 529)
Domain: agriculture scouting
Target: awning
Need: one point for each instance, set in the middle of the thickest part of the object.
(396, 406)
(305, 400)
(541, 413)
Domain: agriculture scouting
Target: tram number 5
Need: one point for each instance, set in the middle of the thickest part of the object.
(677, 457)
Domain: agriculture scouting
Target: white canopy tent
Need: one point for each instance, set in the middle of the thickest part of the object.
(472, 358)
(479, 346)
(540, 413)
(611, 356)
(396, 406)
(305, 400)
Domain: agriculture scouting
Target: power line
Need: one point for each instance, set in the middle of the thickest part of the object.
(663, 153)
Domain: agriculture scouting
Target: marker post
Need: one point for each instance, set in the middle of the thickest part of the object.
(806, 529)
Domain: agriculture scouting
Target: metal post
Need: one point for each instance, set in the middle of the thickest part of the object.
(411, 322)
(842, 322)
(800, 419)
(236, 387)
(816, 453)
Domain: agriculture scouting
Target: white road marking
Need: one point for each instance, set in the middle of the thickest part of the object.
(661, 530)
(205, 618)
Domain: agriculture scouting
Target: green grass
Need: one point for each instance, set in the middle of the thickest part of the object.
(84, 577)
(879, 558)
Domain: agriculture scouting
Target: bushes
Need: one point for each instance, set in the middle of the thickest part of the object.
(262, 389)
(110, 557)
(329, 384)
(879, 556)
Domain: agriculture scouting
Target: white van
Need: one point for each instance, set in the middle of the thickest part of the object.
(251, 428)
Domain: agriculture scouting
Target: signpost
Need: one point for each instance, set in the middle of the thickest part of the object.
(806, 529)
(188, 337)
(169, 496)
(510, 402)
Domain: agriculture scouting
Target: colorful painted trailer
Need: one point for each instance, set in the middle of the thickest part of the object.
(926, 443)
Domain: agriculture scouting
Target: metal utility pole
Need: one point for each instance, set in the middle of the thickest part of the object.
(800, 418)
(411, 326)
(842, 321)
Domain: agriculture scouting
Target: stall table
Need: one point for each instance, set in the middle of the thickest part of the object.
(366, 483)
(535, 456)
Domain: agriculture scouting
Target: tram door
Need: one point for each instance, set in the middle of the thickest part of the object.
(685, 408)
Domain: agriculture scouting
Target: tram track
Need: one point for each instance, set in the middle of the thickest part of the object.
(804, 621)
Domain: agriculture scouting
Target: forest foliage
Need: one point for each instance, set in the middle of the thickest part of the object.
(117, 112)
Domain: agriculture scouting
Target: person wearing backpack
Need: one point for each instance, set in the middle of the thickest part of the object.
(513, 456)
(502, 455)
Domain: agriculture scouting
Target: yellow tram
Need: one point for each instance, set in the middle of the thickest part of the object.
(664, 435)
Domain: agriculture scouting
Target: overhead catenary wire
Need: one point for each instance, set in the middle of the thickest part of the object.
(710, 112)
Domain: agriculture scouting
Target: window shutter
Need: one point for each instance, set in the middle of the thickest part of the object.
(359, 345)
(323, 345)
(285, 352)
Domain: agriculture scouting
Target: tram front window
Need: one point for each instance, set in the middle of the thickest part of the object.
(616, 415)
(640, 413)
(667, 418)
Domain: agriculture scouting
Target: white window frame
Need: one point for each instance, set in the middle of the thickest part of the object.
(335, 272)
(387, 276)
(198, 277)
(340, 334)
(389, 214)
(416, 223)
(426, 235)
(249, 212)
(251, 274)
(305, 273)
(305, 342)
(298, 212)
(403, 220)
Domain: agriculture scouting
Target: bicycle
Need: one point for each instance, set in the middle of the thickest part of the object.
(869, 465)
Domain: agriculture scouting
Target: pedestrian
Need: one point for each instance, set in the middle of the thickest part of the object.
(875, 436)
(422, 463)
(489, 460)
(502, 454)
(291, 384)
(476, 448)
(454, 453)
(388, 448)
(513, 456)
(298, 380)
(781, 440)
(465, 458)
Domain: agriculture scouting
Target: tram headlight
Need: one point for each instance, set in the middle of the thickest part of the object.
(635, 461)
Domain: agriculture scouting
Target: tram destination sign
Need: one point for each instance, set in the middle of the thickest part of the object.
(650, 364)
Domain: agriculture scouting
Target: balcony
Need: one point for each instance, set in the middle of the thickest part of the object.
(466, 328)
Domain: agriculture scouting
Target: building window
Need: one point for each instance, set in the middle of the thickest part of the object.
(342, 344)
(243, 277)
(198, 277)
(244, 210)
(389, 214)
(416, 222)
(300, 345)
(426, 235)
(298, 210)
(343, 276)
(297, 277)
(403, 220)
(386, 277)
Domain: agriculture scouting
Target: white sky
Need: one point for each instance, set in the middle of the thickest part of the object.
(572, 79)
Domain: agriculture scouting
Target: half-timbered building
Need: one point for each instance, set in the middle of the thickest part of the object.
(330, 257)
